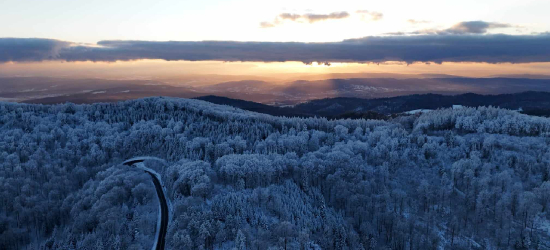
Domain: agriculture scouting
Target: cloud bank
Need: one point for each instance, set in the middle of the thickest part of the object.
(21, 49)
(423, 48)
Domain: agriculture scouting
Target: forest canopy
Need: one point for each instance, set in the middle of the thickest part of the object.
(473, 178)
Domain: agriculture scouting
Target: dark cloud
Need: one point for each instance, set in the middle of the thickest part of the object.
(422, 48)
(475, 27)
(312, 18)
(462, 28)
(370, 15)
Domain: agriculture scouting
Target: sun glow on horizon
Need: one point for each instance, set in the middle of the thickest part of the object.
(161, 68)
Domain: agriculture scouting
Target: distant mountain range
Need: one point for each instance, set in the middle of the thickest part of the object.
(48, 90)
(535, 103)
(302, 90)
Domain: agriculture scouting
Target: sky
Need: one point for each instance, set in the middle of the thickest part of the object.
(355, 33)
(177, 20)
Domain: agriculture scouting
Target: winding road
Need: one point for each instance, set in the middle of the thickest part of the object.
(163, 202)
(163, 214)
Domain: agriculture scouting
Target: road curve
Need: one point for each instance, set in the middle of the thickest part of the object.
(138, 162)
(163, 212)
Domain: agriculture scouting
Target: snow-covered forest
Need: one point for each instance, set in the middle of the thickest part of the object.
(474, 178)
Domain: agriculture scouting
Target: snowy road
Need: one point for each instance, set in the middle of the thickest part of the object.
(162, 225)
(163, 212)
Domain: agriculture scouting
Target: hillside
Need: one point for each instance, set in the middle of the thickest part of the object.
(534, 103)
(525, 100)
(474, 178)
(254, 106)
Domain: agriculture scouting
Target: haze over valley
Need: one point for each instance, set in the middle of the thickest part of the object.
(50, 90)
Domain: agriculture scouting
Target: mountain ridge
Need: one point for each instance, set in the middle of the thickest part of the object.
(530, 102)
